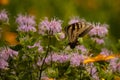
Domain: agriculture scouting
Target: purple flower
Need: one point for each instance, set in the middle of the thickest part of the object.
(58, 58)
(52, 27)
(82, 48)
(61, 35)
(3, 16)
(26, 23)
(115, 65)
(55, 26)
(76, 59)
(3, 64)
(99, 30)
(98, 40)
(45, 78)
(39, 62)
(0, 32)
(44, 26)
(37, 44)
(5, 53)
(105, 52)
(91, 69)
(75, 20)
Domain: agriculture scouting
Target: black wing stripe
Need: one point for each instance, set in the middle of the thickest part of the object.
(85, 31)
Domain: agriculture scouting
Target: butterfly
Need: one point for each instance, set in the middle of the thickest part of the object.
(76, 30)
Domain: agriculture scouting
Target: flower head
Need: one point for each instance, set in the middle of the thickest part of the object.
(3, 16)
(115, 65)
(76, 59)
(99, 30)
(93, 71)
(26, 23)
(5, 53)
(105, 52)
(3, 64)
(37, 44)
(52, 27)
(59, 58)
(98, 40)
(75, 20)
(82, 48)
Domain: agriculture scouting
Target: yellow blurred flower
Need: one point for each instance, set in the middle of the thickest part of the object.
(116, 78)
(4, 2)
(51, 79)
(102, 79)
(99, 57)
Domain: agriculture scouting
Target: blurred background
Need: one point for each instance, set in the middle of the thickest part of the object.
(103, 11)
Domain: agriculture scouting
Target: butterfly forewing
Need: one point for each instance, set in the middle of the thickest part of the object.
(85, 28)
(77, 30)
(72, 32)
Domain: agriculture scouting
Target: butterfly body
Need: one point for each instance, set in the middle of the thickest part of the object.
(76, 30)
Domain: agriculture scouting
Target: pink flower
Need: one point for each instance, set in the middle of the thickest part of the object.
(3, 16)
(91, 69)
(75, 20)
(44, 26)
(37, 44)
(99, 30)
(26, 23)
(115, 65)
(51, 27)
(105, 51)
(98, 40)
(26, 28)
(26, 19)
(82, 48)
(58, 58)
(3, 63)
(7, 52)
(55, 26)
(61, 35)
(76, 59)
(39, 62)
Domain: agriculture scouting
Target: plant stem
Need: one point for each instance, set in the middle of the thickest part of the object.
(48, 49)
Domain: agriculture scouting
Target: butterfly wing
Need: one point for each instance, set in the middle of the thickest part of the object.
(85, 28)
(71, 33)
(77, 30)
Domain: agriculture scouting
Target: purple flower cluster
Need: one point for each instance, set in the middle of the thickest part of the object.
(26, 23)
(37, 44)
(105, 52)
(91, 69)
(61, 35)
(115, 65)
(76, 59)
(99, 30)
(98, 40)
(5, 53)
(75, 20)
(82, 49)
(58, 58)
(51, 27)
(3, 16)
